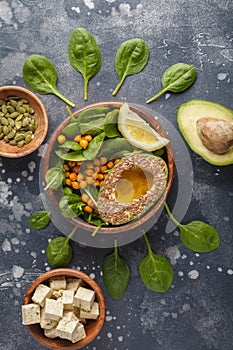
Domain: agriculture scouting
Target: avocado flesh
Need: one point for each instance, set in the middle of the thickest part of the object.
(187, 116)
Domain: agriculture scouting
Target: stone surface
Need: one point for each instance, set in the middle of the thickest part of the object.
(196, 313)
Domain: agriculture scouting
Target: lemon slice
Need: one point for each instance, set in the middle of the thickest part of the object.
(138, 132)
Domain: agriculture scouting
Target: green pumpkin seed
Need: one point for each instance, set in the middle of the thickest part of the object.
(11, 134)
(26, 107)
(31, 110)
(20, 116)
(5, 130)
(14, 115)
(20, 109)
(1, 135)
(13, 103)
(13, 142)
(4, 109)
(20, 143)
(28, 138)
(25, 121)
(6, 138)
(1, 114)
(18, 124)
(19, 137)
(26, 114)
(11, 122)
(4, 121)
(2, 102)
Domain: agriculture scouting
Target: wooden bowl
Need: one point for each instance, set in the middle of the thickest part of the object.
(146, 217)
(9, 151)
(92, 328)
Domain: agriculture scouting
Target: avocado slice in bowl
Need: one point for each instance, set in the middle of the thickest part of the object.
(208, 129)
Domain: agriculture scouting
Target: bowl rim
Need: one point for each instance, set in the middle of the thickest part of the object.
(41, 136)
(149, 213)
(55, 343)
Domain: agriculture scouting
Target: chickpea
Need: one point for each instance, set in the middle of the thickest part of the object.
(73, 176)
(90, 203)
(100, 176)
(77, 138)
(82, 184)
(85, 198)
(66, 167)
(90, 165)
(68, 182)
(75, 185)
(89, 180)
(103, 168)
(71, 163)
(97, 183)
(80, 177)
(88, 138)
(110, 165)
(89, 172)
(76, 169)
(116, 161)
(96, 161)
(83, 143)
(88, 209)
(67, 174)
(101, 183)
(103, 160)
(61, 139)
(94, 175)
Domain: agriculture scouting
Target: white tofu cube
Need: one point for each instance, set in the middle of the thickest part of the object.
(41, 293)
(68, 329)
(69, 315)
(73, 283)
(53, 309)
(84, 298)
(51, 333)
(92, 314)
(30, 314)
(46, 323)
(79, 333)
(57, 283)
(67, 299)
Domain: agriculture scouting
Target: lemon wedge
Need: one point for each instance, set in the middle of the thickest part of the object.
(138, 132)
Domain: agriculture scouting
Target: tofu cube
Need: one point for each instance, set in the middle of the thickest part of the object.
(41, 293)
(67, 299)
(53, 309)
(30, 314)
(70, 330)
(57, 283)
(92, 314)
(79, 333)
(51, 333)
(73, 283)
(46, 323)
(69, 315)
(84, 298)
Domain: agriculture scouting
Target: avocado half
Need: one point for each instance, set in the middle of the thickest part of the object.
(132, 187)
(187, 116)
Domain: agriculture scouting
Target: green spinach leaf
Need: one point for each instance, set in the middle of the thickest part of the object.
(93, 128)
(116, 274)
(59, 251)
(111, 124)
(94, 146)
(41, 76)
(54, 177)
(74, 146)
(132, 56)
(113, 146)
(155, 271)
(197, 235)
(39, 220)
(176, 78)
(71, 205)
(84, 55)
(76, 156)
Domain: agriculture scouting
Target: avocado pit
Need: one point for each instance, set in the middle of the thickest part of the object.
(215, 134)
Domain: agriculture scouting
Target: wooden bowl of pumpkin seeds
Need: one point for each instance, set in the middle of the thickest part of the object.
(23, 122)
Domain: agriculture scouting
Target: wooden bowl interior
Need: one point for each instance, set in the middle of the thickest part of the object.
(7, 150)
(92, 328)
(150, 213)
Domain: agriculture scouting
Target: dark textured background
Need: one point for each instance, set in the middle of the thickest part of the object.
(197, 312)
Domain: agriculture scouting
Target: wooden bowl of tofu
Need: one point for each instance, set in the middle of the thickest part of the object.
(64, 309)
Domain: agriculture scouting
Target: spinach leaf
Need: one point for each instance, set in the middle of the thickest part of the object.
(93, 193)
(94, 146)
(176, 78)
(93, 128)
(155, 271)
(71, 129)
(132, 56)
(84, 55)
(59, 251)
(113, 146)
(41, 76)
(116, 274)
(111, 124)
(39, 220)
(92, 113)
(74, 146)
(197, 235)
(54, 177)
(71, 205)
(76, 156)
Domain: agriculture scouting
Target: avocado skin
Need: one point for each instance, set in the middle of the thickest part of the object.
(187, 115)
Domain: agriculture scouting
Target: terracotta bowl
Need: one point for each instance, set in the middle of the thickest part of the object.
(131, 226)
(92, 328)
(7, 150)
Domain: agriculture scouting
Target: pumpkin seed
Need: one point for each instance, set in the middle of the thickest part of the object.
(20, 109)
(5, 130)
(14, 115)
(4, 109)
(4, 121)
(6, 138)
(19, 137)
(11, 122)
(1, 114)
(25, 121)
(20, 143)
(13, 142)
(1, 135)
(2, 102)
(13, 103)
(28, 138)
(11, 134)
(20, 116)
(10, 109)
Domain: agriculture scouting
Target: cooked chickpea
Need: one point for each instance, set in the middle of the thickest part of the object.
(73, 176)
(82, 184)
(103, 168)
(83, 143)
(68, 182)
(80, 177)
(90, 165)
(89, 180)
(100, 176)
(77, 138)
(90, 203)
(88, 209)
(76, 169)
(85, 198)
(67, 174)
(61, 139)
(96, 161)
(66, 167)
(89, 172)
(71, 163)
(110, 165)
(103, 160)
(97, 183)
(75, 185)
(88, 138)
